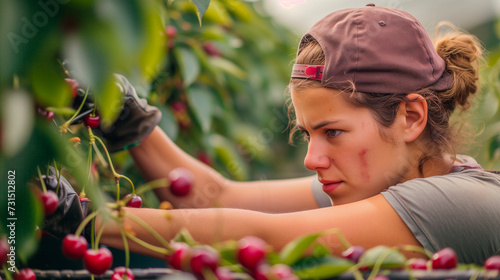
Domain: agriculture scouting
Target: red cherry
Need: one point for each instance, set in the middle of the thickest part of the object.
(178, 107)
(251, 251)
(211, 49)
(353, 253)
(92, 121)
(492, 263)
(204, 157)
(261, 272)
(97, 261)
(25, 274)
(171, 31)
(135, 201)
(122, 273)
(74, 86)
(181, 257)
(418, 264)
(74, 247)
(203, 258)
(181, 181)
(4, 250)
(444, 259)
(50, 202)
(48, 115)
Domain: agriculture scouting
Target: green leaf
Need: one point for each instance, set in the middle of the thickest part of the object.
(201, 7)
(295, 249)
(227, 155)
(189, 65)
(228, 67)
(201, 101)
(109, 102)
(323, 267)
(389, 257)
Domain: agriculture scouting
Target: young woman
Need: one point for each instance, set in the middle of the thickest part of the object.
(373, 98)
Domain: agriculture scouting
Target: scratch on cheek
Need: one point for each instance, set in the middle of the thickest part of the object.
(364, 165)
(363, 126)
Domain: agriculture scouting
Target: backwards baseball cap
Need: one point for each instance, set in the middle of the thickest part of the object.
(379, 49)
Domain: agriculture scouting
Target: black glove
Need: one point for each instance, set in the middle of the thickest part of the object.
(70, 211)
(135, 122)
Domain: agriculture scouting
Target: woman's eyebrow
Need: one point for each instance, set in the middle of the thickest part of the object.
(318, 126)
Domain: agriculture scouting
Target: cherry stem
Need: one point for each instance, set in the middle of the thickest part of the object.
(159, 183)
(44, 188)
(58, 175)
(144, 244)
(89, 167)
(125, 245)
(117, 176)
(341, 237)
(99, 234)
(65, 125)
(85, 222)
(380, 260)
(6, 273)
(149, 229)
(419, 249)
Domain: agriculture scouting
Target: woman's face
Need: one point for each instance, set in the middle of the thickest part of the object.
(345, 147)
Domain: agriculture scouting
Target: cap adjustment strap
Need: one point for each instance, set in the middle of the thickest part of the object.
(305, 71)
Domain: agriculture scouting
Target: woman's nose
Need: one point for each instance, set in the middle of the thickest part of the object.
(316, 157)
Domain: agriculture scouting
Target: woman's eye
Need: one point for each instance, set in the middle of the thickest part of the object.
(333, 132)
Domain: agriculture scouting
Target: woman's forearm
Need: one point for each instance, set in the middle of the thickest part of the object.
(157, 155)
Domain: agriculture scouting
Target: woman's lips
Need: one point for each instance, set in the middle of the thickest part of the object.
(330, 186)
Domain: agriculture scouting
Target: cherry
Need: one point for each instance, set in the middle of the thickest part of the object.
(417, 263)
(92, 121)
(251, 251)
(181, 181)
(122, 273)
(179, 107)
(48, 115)
(491, 263)
(181, 256)
(50, 202)
(353, 253)
(97, 261)
(203, 258)
(261, 272)
(171, 31)
(211, 49)
(25, 274)
(135, 201)
(74, 86)
(4, 250)
(445, 258)
(74, 247)
(204, 157)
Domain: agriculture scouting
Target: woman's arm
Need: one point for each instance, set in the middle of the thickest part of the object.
(157, 155)
(367, 223)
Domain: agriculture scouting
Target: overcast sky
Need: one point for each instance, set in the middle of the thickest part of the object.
(463, 13)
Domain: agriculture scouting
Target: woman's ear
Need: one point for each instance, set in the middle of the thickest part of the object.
(415, 112)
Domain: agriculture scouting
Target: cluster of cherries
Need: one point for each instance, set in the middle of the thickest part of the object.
(251, 254)
(99, 261)
(443, 259)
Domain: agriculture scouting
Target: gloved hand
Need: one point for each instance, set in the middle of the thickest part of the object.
(135, 122)
(70, 211)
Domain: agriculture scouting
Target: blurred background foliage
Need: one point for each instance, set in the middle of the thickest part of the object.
(217, 69)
